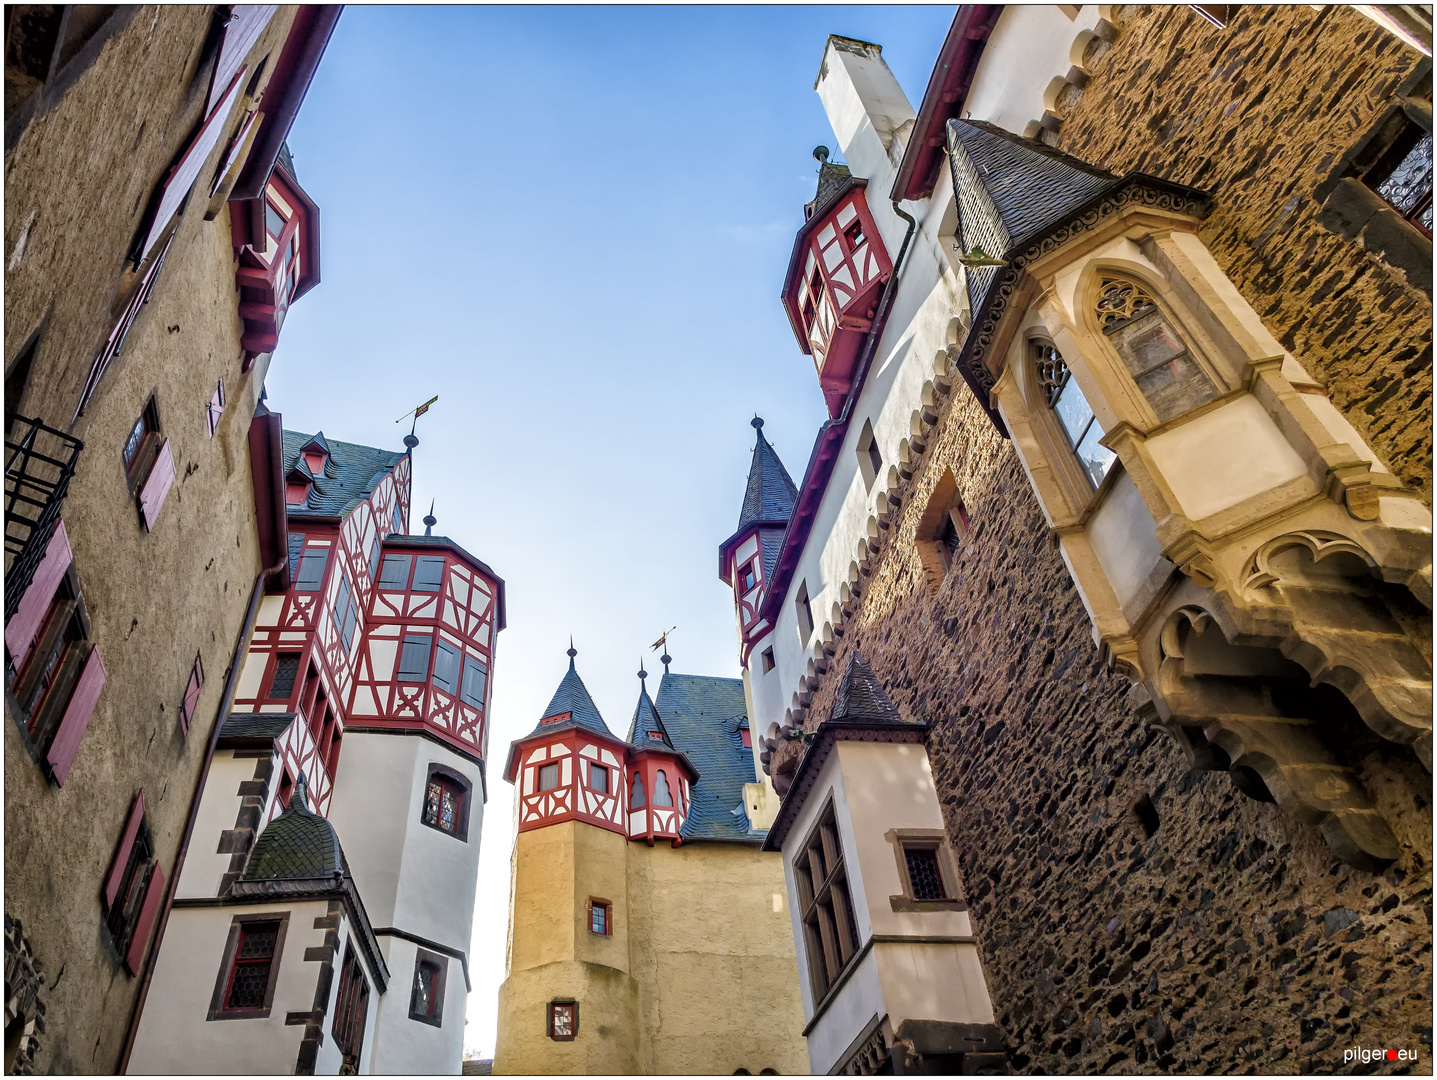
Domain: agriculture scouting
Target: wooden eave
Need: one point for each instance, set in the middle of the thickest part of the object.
(945, 97)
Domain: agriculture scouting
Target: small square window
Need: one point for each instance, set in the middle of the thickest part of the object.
(656, 736)
(747, 577)
(854, 234)
(598, 778)
(549, 776)
(601, 918)
(394, 572)
(414, 660)
(311, 569)
(924, 877)
(563, 1020)
(768, 661)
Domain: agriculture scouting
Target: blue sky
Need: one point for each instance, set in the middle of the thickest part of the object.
(571, 224)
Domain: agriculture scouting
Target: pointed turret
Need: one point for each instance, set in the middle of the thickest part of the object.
(647, 728)
(747, 558)
(571, 703)
(770, 494)
(861, 697)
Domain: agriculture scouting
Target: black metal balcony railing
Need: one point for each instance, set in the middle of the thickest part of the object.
(39, 462)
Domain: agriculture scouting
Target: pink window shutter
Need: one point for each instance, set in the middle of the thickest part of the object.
(188, 170)
(76, 720)
(157, 486)
(116, 876)
(192, 696)
(246, 23)
(20, 631)
(140, 939)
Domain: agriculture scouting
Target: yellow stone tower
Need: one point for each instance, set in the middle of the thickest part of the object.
(646, 926)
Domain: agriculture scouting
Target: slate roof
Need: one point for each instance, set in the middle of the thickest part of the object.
(1010, 189)
(703, 716)
(646, 719)
(832, 180)
(255, 725)
(285, 160)
(861, 696)
(572, 697)
(350, 475)
(771, 492)
(298, 845)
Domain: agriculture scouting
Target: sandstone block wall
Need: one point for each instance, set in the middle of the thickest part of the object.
(1258, 114)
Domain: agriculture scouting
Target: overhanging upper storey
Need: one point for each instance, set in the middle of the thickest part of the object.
(835, 278)
(278, 255)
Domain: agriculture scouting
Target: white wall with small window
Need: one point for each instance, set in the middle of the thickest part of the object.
(907, 951)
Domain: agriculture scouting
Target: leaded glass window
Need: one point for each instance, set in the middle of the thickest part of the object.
(923, 874)
(442, 805)
(253, 956)
(1153, 352)
(1074, 415)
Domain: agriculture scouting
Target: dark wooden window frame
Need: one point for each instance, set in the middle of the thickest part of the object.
(831, 944)
(935, 840)
(465, 790)
(747, 570)
(440, 966)
(189, 702)
(550, 1009)
(274, 670)
(607, 906)
(351, 1016)
(769, 663)
(65, 630)
(217, 1011)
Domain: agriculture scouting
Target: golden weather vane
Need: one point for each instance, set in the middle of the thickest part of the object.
(663, 639)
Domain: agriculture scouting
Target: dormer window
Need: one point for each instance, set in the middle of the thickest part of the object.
(656, 736)
(557, 718)
(315, 460)
(296, 492)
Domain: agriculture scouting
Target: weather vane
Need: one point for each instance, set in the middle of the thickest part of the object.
(663, 639)
(411, 440)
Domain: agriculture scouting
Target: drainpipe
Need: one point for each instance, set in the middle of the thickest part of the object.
(870, 345)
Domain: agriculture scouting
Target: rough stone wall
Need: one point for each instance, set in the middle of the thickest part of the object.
(1229, 940)
(154, 599)
(1258, 114)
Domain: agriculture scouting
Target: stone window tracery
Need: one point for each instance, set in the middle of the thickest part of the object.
(1154, 353)
(1075, 416)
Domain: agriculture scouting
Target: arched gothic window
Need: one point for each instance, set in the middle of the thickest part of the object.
(636, 793)
(662, 796)
(1155, 356)
(1066, 400)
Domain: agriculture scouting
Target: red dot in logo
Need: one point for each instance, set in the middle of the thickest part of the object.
(1392, 1055)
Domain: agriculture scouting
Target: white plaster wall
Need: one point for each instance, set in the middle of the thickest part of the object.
(220, 805)
(1030, 46)
(928, 297)
(890, 786)
(933, 981)
(847, 1014)
(410, 876)
(173, 1034)
(866, 109)
(402, 1045)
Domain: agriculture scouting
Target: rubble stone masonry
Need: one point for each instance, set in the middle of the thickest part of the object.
(1258, 114)
(1230, 939)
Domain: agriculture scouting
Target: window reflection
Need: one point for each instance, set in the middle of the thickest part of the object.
(1073, 412)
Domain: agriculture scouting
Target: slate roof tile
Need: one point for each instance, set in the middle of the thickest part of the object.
(861, 696)
(771, 491)
(646, 721)
(350, 476)
(572, 697)
(297, 845)
(703, 716)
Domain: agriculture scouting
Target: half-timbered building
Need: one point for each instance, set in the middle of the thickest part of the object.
(322, 920)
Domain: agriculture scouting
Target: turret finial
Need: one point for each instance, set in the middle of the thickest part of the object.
(642, 673)
(757, 422)
(430, 520)
(820, 154)
(300, 798)
(665, 660)
(573, 652)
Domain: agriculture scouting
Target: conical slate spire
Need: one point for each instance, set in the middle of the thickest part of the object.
(771, 492)
(1010, 189)
(572, 697)
(646, 720)
(861, 696)
(832, 179)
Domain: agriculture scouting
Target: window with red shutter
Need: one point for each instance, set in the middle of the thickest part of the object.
(76, 721)
(20, 631)
(191, 699)
(157, 486)
(133, 890)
